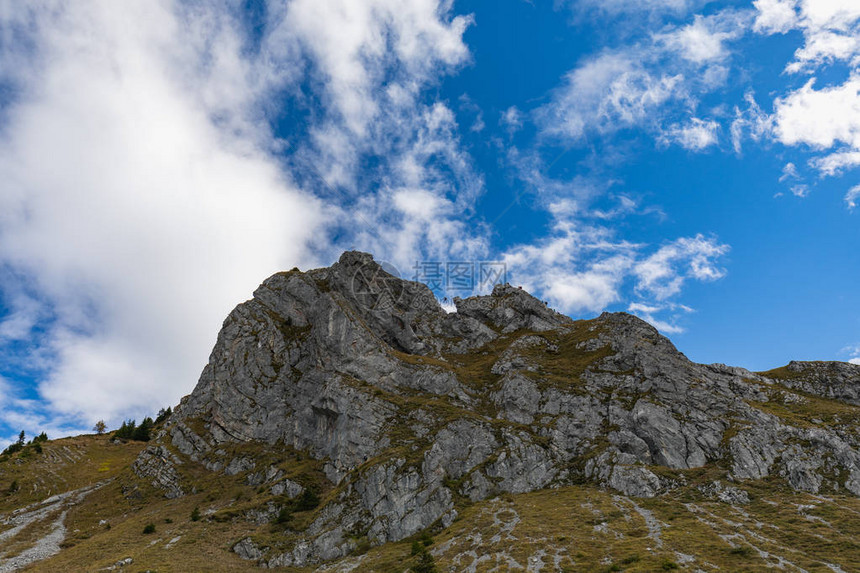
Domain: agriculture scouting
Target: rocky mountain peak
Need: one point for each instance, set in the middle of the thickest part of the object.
(410, 413)
(509, 309)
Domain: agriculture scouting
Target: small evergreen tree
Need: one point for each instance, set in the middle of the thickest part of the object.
(307, 501)
(142, 432)
(426, 563)
(126, 430)
(21, 438)
(163, 415)
(284, 516)
(195, 514)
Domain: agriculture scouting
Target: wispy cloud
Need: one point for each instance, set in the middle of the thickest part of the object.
(652, 7)
(853, 351)
(697, 135)
(704, 41)
(663, 273)
(650, 313)
(607, 93)
(655, 82)
(585, 267)
(851, 197)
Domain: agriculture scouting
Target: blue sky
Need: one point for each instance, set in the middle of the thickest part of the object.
(695, 163)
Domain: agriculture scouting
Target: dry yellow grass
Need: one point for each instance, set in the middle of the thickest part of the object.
(577, 528)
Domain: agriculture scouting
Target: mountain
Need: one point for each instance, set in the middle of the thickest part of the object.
(347, 422)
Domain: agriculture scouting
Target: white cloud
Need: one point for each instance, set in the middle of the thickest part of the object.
(616, 7)
(649, 312)
(826, 119)
(836, 163)
(512, 119)
(789, 171)
(822, 119)
(704, 40)
(829, 27)
(800, 190)
(834, 14)
(353, 43)
(775, 16)
(578, 268)
(140, 198)
(429, 187)
(374, 61)
(663, 273)
(854, 351)
(582, 267)
(647, 83)
(606, 93)
(752, 122)
(852, 196)
(373, 58)
(824, 47)
(23, 314)
(697, 135)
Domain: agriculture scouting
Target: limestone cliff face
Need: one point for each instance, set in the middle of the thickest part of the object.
(414, 411)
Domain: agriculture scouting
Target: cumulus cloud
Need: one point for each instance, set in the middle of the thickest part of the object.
(576, 269)
(775, 16)
(829, 28)
(820, 118)
(137, 208)
(823, 119)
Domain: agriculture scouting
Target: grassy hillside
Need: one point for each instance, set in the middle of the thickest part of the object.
(580, 528)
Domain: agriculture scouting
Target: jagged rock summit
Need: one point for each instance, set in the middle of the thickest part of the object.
(403, 413)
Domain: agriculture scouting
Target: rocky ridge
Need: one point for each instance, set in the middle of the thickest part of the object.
(412, 412)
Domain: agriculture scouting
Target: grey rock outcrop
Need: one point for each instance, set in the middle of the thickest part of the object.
(410, 409)
(837, 380)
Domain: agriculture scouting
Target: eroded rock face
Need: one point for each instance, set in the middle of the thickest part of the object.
(411, 409)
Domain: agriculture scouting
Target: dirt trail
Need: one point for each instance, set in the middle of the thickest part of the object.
(55, 507)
